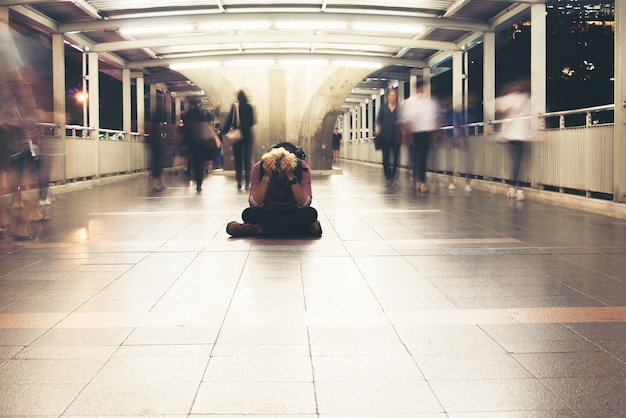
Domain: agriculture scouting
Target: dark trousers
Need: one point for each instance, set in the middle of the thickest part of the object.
(280, 221)
(419, 154)
(391, 156)
(196, 154)
(242, 151)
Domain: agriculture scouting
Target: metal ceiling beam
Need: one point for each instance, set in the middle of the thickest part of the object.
(275, 38)
(279, 56)
(278, 16)
(53, 27)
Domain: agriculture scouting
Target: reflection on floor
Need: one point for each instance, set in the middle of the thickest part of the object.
(445, 304)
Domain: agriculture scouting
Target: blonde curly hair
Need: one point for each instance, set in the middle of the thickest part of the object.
(279, 160)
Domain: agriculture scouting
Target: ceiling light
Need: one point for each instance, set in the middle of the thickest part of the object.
(381, 27)
(194, 65)
(249, 62)
(231, 26)
(157, 29)
(357, 64)
(303, 62)
(310, 25)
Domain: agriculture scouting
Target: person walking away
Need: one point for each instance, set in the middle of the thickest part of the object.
(336, 144)
(388, 131)
(242, 150)
(419, 115)
(280, 197)
(192, 133)
(155, 145)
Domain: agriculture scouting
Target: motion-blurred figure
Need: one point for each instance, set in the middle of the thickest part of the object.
(513, 104)
(388, 130)
(242, 150)
(419, 115)
(19, 135)
(157, 153)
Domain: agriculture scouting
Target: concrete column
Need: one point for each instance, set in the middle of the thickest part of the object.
(538, 71)
(168, 106)
(93, 78)
(489, 77)
(619, 138)
(370, 119)
(58, 94)
(4, 14)
(141, 107)
(427, 87)
(345, 133)
(379, 101)
(177, 106)
(355, 124)
(401, 84)
(457, 81)
(413, 77)
(363, 120)
(153, 101)
(126, 106)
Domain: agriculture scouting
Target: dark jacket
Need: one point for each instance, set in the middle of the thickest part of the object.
(246, 119)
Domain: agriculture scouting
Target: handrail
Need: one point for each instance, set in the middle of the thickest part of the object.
(579, 111)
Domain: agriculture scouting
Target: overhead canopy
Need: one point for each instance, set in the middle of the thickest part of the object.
(156, 36)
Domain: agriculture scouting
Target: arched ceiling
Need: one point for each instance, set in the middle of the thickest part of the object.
(158, 36)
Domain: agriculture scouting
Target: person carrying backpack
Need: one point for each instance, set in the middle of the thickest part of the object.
(280, 197)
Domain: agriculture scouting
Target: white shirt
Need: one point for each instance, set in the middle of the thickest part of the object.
(516, 106)
(420, 112)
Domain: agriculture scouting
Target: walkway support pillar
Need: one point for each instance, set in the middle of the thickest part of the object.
(619, 139)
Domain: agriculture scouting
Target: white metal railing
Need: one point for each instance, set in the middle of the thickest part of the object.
(79, 155)
(573, 152)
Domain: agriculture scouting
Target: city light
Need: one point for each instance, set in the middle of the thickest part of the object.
(81, 96)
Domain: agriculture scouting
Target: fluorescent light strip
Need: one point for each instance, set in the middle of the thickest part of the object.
(303, 62)
(151, 30)
(194, 65)
(375, 27)
(357, 64)
(231, 26)
(310, 25)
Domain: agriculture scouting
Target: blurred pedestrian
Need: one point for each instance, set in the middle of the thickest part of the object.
(513, 104)
(19, 135)
(336, 144)
(388, 132)
(193, 134)
(217, 158)
(242, 149)
(155, 140)
(419, 115)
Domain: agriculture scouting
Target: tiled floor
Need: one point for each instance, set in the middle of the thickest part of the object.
(440, 305)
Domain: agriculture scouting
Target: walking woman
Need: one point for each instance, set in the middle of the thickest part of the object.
(388, 131)
(242, 149)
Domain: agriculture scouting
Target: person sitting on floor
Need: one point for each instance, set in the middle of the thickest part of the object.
(280, 197)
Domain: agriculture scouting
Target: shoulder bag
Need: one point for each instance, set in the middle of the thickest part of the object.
(234, 134)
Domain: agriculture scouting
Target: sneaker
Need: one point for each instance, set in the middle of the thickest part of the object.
(235, 229)
(468, 188)
(519, 195)
(45, 202)
(510, 192)
(315, 229)
(424, 188)
(452, 186)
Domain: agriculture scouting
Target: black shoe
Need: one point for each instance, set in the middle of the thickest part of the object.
(236, 229)
(315, 229)
(26, 237)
